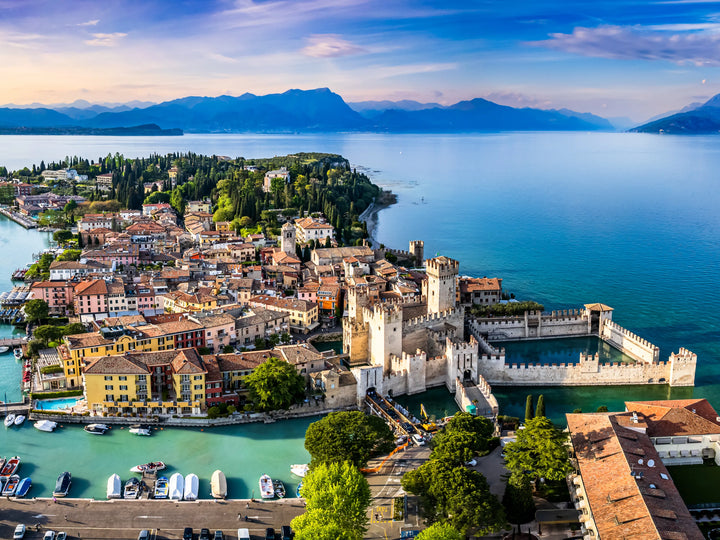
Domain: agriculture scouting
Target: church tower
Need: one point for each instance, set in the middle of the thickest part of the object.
(442, 273)
(287, 242)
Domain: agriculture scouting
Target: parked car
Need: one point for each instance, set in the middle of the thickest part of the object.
(19, 531)
(144, 535)
(62, 535)
(286, 532)
(417, 439)
(49, 535)
(204, 534)
(219, 535)
(269, 533)
(243, 534)
(188, 533)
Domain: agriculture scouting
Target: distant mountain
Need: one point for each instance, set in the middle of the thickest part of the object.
(483, 115)
(144, 130)
(695, 120)
(318, 110)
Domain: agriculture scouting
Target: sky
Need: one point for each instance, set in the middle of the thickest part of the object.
(610, 57)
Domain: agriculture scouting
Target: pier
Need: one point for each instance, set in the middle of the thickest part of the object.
(25, 221)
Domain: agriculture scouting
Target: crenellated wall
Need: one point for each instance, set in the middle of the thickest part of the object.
(629, 343)
(534, 325)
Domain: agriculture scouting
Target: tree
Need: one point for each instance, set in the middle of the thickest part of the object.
(36, 310)
(529, 408)
(347, 435)
(539, 452)
(47, 333)
(337, 497)
(540, 409)
(275, 384)
(70, 208)
(463, 438)
(440, 531)
(602, 408)
(455, 495)
(518, 500)
(62, 236)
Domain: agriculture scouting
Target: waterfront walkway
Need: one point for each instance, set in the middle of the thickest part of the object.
(121, 519)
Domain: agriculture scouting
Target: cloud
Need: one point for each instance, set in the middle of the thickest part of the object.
(222, 58)
(105, 40)
(641, 43)
(89, 23)
(330, 46)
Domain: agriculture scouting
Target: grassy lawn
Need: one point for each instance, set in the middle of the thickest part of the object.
(697, 483)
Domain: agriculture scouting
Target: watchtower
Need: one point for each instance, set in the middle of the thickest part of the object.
(442, 273)
(287, 242)
(417, 249)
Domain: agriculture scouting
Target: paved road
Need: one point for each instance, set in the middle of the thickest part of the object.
(124, 519)
(385, 485)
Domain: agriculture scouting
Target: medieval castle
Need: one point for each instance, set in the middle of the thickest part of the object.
(406, 346)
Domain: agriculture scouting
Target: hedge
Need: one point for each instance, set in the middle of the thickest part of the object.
(46, 370)
(52, 395)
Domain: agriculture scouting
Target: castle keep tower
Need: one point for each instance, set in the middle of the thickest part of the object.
(287, 241)
(442, 273)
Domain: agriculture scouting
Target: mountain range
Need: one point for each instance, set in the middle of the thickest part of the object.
(696, 118)
(319, 110)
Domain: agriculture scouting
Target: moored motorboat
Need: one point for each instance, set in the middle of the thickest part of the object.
(19, 419)
(96, 429)
(297, 491)
(176, 488)
(148, 467)
(45, 425)
(191, 487)
(140, 431)
(9, 420)
(114, 487)
(4, 349)
(161, 488)
(17, 353)
(62, 486)
(266, 487)
(11, 465)
(2, 462)
(300, 469)
(279, 488)
(23, 487)
(11, 485)
(218, 485)
(132, 489)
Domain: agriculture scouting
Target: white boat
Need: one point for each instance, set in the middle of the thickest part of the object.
(267, 491)
(140, 431)
(191, 487)
(218, 485)
(114, 487)
(177, 485)
(300, 470)
(17, 353)
(132, 489)
(4, 349)
(148, 467)
(96, 429)
(19, 419)
(11, 465)
(9, 420)
(161, 488)
(11, 485)
(45, 425)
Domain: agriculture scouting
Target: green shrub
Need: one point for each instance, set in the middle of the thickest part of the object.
(52, 395)
(47, 370)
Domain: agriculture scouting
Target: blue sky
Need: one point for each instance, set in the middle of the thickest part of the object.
(614, 58)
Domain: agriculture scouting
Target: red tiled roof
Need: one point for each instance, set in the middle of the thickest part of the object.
(677, 417)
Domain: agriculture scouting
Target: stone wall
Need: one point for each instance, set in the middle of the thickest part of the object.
(629, 343)
(533, 325)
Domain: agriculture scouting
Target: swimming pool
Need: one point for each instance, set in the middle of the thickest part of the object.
(56, 404)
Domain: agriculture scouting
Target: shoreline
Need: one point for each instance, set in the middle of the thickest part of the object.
(370, 216)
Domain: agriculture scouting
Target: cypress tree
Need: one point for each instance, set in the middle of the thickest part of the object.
(529, 413)
(540, 409)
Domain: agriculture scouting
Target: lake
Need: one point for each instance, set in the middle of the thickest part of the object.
(630, 220)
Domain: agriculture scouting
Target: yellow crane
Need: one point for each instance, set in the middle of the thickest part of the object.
(428, 425)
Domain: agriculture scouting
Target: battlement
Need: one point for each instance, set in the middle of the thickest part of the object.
(565, 314)
(628, 334)
(462, 346)
(442, 267)
(684, 355)
(430, 317)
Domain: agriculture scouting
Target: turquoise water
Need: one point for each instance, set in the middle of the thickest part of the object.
(560, 351)
(630, 220)
(55, 404)
(243, 453)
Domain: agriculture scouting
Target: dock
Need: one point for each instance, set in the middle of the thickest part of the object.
(25, 221)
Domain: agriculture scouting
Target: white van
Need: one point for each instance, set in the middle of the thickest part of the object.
(243, 534)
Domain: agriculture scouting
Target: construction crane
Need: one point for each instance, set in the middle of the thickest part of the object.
(428, 425)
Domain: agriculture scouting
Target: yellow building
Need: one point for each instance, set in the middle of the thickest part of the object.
(303, 314)
(149, 383)
(182, 302)
(78, 350)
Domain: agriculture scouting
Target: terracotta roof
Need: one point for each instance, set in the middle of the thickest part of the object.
(479, 284)
(96, 286)
(240, 362)
(120, 365)
(677, 417)
(289, 304)
(296, 354)
(182, 361)
(627, 497)
(598, 307)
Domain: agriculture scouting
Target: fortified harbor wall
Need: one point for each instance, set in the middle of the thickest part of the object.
(627, 342)
(535, 325)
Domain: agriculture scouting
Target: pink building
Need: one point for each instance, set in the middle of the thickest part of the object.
(57, 294)
(91, 299)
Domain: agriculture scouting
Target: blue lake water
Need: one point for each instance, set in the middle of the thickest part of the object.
(630, 220)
